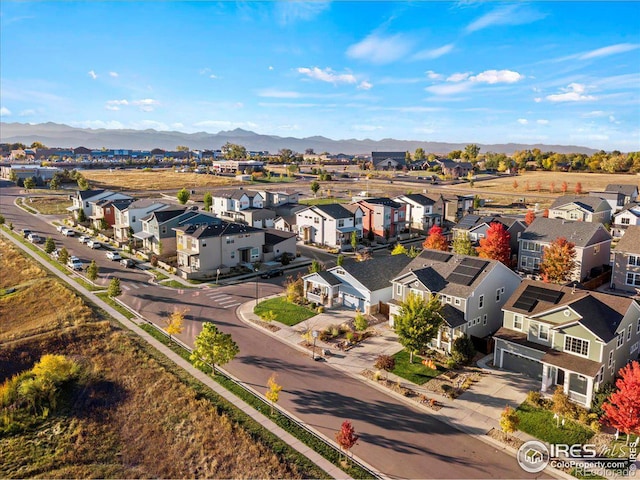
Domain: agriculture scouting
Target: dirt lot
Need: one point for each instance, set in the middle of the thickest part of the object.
(54, 204)
(152, 180)
(134, 415)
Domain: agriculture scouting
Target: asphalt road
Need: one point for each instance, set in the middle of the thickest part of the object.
(400, 441)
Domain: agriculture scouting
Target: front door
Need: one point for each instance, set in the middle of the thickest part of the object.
(560, 377)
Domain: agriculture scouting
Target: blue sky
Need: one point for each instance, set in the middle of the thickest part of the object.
(485, 72)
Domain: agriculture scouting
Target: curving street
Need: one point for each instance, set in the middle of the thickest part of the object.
(400, 441)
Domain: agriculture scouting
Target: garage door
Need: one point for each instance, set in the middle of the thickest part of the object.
(516, 363)
(351, 301)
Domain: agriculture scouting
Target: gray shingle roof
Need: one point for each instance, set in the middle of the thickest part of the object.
(625, 188)
(329, 277)
(382, 201)
(273, 236)
(587, 202)
(452, 316)
(375, 274)
(630, 241)
(333, 210)
(582, 234)
(84, 194)
(165, 214)
(218, 229)
(419, 199)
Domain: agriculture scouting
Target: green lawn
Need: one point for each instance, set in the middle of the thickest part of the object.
(415, 372)
(540, 423)
(174, 284)
(323, 201)
(285, 312)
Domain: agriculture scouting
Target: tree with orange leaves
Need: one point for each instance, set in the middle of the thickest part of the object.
(436, 240)
(496, 245)
(622, 409)
(558, 261)
(529, 217)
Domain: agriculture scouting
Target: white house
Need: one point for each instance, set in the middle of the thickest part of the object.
(331, 225)
(581, 208)
(420, 213)
(629, 215)
(129, 218)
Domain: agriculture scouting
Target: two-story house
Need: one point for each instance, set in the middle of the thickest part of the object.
(205, 250)
(419, 211)
(383, 218)
(476, 226)
(356, 285)
(618, 195)
(243, 206)
(388, 160)
(104, 210)
(85, 199)
(331, 225)
(454, 169)
(560, 335)
(592, 244)
(157, 233)
(629, 215)
(581, 208)
(128, 218)
(472, 291)
(625, 276)
(286, 216)
(452, 207)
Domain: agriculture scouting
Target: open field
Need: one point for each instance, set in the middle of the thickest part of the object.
(132, 414)
(165, 179)
(54, 204)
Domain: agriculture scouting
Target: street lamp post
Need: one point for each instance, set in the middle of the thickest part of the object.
(314, 334)
(256, 286)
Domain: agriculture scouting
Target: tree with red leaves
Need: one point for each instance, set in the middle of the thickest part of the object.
(529, 217)
(564, 187)
(436, 240)
(622, 410)
(558, 261)
(578, 188)
(496, 245)
(347, 437)
(545, 214)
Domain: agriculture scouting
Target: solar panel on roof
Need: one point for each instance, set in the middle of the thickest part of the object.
(437, 256)
(467, 271)
(458, 279)
(532, 295)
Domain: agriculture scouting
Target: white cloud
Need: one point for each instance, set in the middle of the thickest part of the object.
(270, 67)
(295, 105)
(273, 93)
(433, 75)
(612, 119)
(113, 74)
(458, 77)
(594, 114)
(27, 113)
(537, 99)
(212, 76)
(364, 85)
(523, 121)
(574, 92)
(146, 104)
(115, 104)
(92, 74)
(497, 76)
(327, 75)
(4, 112)
(507, 15)
(542, 121)
(380, 50)
(366, 128)
(610, 50)
(291, 11)
(433, 53)
(449, 89)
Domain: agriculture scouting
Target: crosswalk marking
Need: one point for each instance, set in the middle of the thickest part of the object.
(218, 296)
(125, 287)
(231, 305)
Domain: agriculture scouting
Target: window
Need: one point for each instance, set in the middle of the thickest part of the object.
(625, 221)
(316, 220)
(620, 339)
(629, 333)
(633, 279)
(133, 219)
(531, 246)
(399, 290)
(517, 322)
(611, 359)
(448, 299)
(638, 327)
(576, 345)
(499, 292)
(230, 240)
(596, 249)
(469, 324)
(163, 229)
(634, 260)
(634, 348)
(484, 320)
(457, 302)
(481, 301)
(340, 223)
(543, 332)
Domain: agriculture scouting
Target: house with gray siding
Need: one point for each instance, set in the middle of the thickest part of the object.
(476, 226)
(331, 225)
(356, 285)
(581, 208)
(420, 214)
(592, 244)
(472, 291)
(625, 276)
(563, 336)
(629, 215)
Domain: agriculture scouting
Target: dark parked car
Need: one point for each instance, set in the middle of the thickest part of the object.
(276, 272)
(128, 263)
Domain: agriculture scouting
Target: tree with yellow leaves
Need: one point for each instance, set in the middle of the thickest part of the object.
(175, 323)
(273, 394)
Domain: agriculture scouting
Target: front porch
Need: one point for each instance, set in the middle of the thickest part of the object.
(322, 288)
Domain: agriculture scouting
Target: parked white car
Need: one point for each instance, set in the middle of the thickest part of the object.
(35, 238)
(74, 263)
(67, 232)
(84, 238)
(60, 228)
(93, 244)
(113, 255)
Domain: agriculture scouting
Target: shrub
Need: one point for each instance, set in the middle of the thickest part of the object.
(534, 398)
(377, 375)
(269, 316)
(462, 350)
(451, 363)
(285, 259)
(600, 397)
(509, 420)
(349, 336)
(360, 322)
(324, 335)
(154, 260)
(335, 331)
(320, 309)
(385, 362)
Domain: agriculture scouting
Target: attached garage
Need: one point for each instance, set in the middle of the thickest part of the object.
(518, 363)
(353, 302)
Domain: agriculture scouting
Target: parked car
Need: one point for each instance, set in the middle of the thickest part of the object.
(60, 228)
(94, 244)
(67, 232)
(35, 238)
(113, 255)
(84, 238)
(26, 232)
(274, 272)
(128, 263)
(74, 263)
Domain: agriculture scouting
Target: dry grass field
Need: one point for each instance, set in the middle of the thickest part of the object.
(54, 204)
(165, 179)
(132, 414)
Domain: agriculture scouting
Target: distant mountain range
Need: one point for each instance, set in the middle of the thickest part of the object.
(59, 135)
